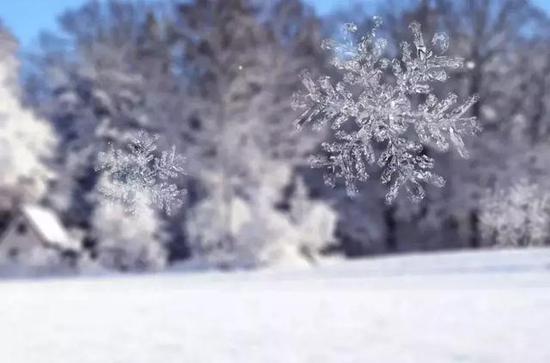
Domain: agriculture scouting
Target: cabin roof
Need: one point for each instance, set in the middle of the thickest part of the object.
(48, 226)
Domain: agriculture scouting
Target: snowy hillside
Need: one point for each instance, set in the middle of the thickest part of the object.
(458, 307)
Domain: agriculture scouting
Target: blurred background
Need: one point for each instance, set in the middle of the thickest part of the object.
(215, 78)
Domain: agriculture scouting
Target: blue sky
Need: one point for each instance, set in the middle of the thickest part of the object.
(26, 18)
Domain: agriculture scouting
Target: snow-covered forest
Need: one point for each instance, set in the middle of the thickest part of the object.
(221, 84)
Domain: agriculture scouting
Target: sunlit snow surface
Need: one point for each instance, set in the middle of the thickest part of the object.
(460, 307)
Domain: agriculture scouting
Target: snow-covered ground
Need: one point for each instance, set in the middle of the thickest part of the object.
(458, 307)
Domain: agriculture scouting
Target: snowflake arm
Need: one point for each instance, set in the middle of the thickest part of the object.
(138, 175)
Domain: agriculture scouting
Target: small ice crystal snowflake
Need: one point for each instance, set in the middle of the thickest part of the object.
(137, 175)
(383, 111)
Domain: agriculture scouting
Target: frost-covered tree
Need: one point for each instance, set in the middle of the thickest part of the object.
(516, 216)
(241, 73)
(105, 78)
(128, 241)
(26, 141)
(241, 57)
(87, 104)
(263, 234)
(314, 220)
(92, 83)
(366, 109)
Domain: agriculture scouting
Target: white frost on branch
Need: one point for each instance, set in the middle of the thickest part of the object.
(129, 244)
(27, 142)
(389, 104)
(260, 232)
(139, 173)
(516, 216)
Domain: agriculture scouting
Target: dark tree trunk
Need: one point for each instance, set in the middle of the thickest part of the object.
(390, 222)
(474, 229)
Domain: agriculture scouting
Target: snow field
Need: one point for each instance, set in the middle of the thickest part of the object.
(459, 307)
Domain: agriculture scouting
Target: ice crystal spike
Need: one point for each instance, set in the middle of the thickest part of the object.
(139, 175)
(384, 122)
(441, 42)
(377, 21)
(350, 28)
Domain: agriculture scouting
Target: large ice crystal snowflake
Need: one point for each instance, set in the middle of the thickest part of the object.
(386, 105)
(138, 176)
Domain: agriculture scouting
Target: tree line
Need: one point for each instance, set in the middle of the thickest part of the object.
(215, 78)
